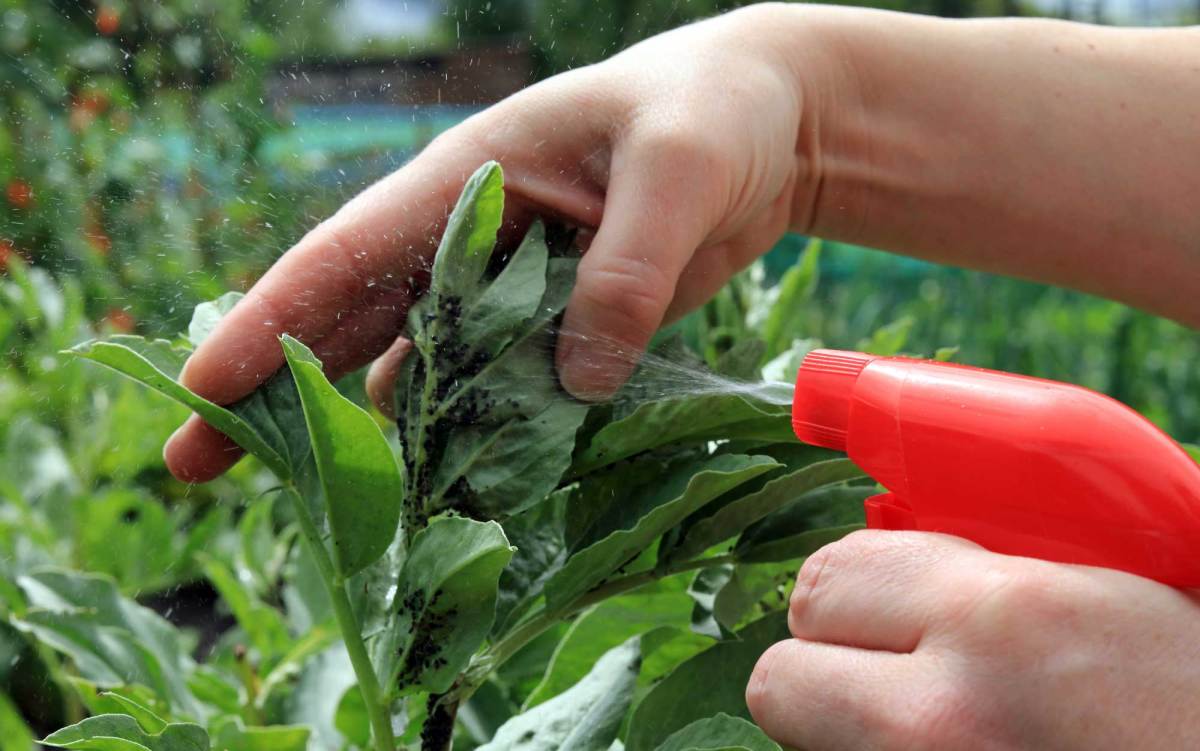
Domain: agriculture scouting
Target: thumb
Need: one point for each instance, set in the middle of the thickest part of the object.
(651, 227)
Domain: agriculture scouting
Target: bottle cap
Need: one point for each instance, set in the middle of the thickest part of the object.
(824, 387)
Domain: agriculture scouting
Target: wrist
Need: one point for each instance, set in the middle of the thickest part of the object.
(817, 49)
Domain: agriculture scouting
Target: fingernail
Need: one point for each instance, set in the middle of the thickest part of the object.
(589, 373)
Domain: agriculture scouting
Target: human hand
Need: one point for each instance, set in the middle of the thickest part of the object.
(908, 640)
(679, 157)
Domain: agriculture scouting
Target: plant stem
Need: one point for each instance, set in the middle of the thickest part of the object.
(378, 709)
(504, 649)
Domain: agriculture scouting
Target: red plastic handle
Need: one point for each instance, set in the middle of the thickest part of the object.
(1020, 465)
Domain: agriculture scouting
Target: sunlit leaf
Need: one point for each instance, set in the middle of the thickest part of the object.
(363, 486)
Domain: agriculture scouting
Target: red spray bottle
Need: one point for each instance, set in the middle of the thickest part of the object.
(1020, 465)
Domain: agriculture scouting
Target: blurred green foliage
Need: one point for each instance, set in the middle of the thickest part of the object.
(107, 177)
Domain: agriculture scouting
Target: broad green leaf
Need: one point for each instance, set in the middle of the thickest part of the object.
(586, 717)
(466, 245)
(15, 735)
(156, 363)
(719, 733)
(216, 689)
(805, 525)
(629, 527)
(118, 732)
(363, 487)
(788, 313)
(730, 519)
(229, 734)
(604, 627)
(112, 640)
(692, 419)
(712, 682)
(444, 604)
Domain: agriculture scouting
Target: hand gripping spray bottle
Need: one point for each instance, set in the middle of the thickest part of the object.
(1019, 465)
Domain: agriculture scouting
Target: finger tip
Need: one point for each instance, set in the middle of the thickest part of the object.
(197, 453)
(382, 376)
(588, 370)
(756, 687)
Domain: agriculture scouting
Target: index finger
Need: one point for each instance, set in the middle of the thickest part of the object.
(370, 248)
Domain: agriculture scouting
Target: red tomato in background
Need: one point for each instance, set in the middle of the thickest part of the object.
(121, 320)
(20, 195)
(108, 20)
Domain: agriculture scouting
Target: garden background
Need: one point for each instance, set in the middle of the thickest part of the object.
(154, 155)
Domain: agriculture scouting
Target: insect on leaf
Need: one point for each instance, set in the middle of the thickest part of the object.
(486, 428)
(444, 604)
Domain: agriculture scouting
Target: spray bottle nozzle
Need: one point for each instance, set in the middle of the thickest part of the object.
(821, 406)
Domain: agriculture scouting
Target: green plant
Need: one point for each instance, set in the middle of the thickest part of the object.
(515, 520)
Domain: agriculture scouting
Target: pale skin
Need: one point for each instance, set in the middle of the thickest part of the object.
(1059, 152)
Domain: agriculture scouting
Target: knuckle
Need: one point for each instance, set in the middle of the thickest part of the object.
(682, 149)
(817, 569)
(632, 294)
(808, 579)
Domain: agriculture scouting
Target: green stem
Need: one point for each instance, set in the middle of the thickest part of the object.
(503, 650)
(378, 709)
